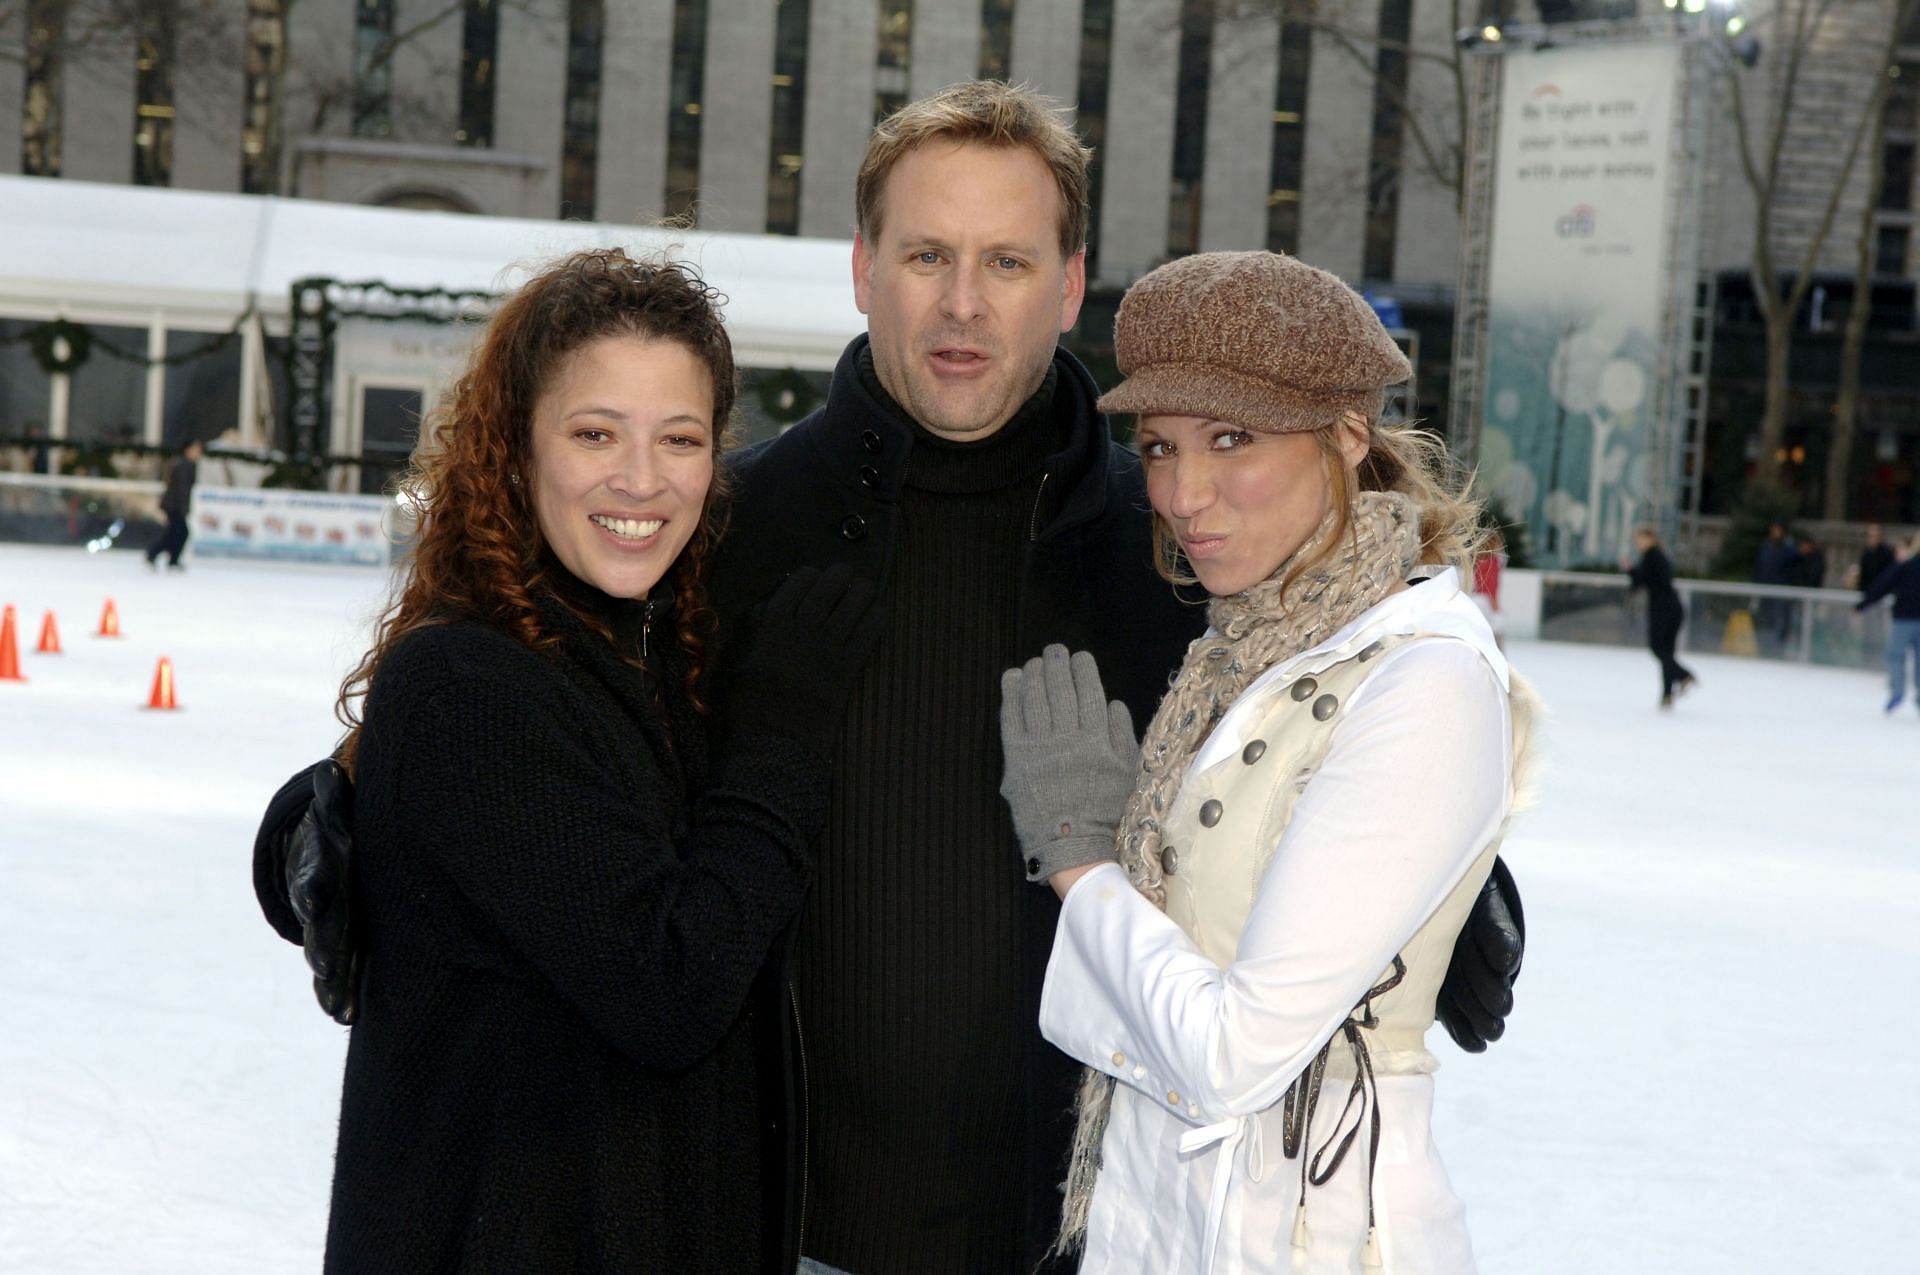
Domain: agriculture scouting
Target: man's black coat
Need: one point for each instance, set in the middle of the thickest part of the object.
(827, 491)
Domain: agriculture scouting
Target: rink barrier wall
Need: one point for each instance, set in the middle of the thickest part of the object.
(1770, 622)
(279, 525)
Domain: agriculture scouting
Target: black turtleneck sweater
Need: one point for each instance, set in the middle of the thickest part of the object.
(908, 970)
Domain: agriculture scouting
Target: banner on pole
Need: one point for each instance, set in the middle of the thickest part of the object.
(1578, 280)
(290, 526)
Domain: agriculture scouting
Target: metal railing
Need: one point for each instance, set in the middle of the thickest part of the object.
(1761, 621)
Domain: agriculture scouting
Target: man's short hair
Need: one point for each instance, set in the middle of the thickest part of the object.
(990, 113)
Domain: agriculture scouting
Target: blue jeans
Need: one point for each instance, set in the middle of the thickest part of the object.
(1904, 637)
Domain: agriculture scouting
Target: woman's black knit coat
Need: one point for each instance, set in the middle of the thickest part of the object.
(568, 1039)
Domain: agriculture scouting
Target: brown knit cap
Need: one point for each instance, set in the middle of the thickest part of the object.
(1259, 339)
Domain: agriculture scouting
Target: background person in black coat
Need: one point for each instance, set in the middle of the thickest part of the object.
(1654, 573)
(1876, 555)
(1899, 580)
(175, 501)
(566, 1040)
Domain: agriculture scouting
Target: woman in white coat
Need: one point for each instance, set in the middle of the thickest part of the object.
(1302, 831)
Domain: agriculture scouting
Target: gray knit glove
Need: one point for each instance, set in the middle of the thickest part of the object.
(1071, 757)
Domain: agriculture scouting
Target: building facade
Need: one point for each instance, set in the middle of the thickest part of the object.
(1331, 130)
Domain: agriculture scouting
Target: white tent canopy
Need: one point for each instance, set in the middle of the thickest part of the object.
(108, 253)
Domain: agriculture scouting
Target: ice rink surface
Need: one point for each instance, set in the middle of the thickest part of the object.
(1714, 1067)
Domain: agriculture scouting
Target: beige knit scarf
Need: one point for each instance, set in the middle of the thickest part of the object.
(1252, 631)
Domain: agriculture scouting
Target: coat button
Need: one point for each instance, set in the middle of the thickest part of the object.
(1119, 1059)
(1193, 1110)
(869, 477)
(1139, 1072)
(1254, 751)
(1169, 860)
(1173, 1097)
(1304, 688)
(1324, 707)
(871, 441)
(1372, 649)
(1210, 813)
(1033, 867)
(853, 527)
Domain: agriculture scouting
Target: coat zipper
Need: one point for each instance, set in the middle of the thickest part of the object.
(1033, 523)
(800, 1039)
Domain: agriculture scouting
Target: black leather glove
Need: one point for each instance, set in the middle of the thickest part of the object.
(801, 653)
(318, 859)
(1477, 995)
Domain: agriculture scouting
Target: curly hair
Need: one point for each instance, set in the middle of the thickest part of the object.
(478, 552)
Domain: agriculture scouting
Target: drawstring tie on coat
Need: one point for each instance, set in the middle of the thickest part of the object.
(1297, 1117)
(1303, 1098)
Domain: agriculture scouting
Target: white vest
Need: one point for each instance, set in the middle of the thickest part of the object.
(1227, 820)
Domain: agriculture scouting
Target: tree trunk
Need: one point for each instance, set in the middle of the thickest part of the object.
(1846, 408)
(1773, 416)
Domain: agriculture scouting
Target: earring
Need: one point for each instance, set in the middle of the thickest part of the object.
(513, 476)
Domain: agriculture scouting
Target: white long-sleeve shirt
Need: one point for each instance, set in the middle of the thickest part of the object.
(1415, 784)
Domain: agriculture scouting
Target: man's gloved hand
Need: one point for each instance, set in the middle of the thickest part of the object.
(802, 650)
(1477, 995)
(1070, 758)
(318, 856)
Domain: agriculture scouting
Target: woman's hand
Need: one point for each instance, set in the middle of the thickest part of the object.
(1070, 758)
(803, 649)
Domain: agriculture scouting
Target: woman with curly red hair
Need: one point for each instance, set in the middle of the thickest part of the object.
(566, 1048)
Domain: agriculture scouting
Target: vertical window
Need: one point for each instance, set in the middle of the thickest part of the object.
(788, 125)
(265, 62)
(1383, 166)
(479, 44)
(1190, 127)
(1899, 112)
(996, 39)
(1289, 157)
(683, 111)
(153, 93)
(1096, 56)
(107, 397)
(372, 68)
(1896, 190)
(894, 59)
(580, 143)
(1890, 250)
(40, 104)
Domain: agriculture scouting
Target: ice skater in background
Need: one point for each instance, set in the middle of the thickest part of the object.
(1299, 838)
(1901, 581)
(1654, 573)
(174, 503)
(567, 1050)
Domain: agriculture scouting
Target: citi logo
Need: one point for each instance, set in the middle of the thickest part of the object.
(1577, 224)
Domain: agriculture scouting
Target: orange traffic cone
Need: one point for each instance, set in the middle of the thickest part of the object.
(9, 650)
(109, 621)
(162, 696)
(49, 637)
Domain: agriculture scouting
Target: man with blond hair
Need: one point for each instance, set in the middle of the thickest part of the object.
(959, 461)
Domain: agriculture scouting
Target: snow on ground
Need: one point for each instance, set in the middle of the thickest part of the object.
(1714, 1067)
